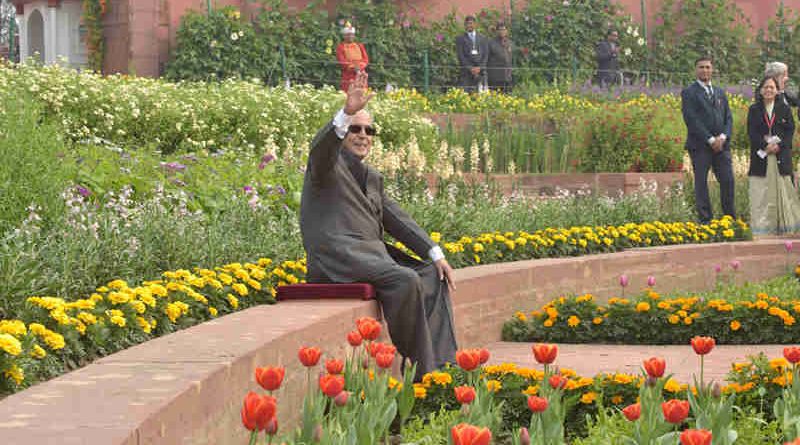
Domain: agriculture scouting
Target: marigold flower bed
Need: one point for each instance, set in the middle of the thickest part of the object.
(649, 318)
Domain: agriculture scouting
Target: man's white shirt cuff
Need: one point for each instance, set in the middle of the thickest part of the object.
(340, 123)
(436, 253)
(723, 136)
(711, 140)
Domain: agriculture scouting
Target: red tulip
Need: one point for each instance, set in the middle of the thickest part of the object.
(331, 385)
(384, 359)
(272, 427)
(354, 338)
(369, 328)
(537, 404)
(466, 434)
(792, 354)
(270, 377)
(334, 366)
(557, 381)
(309, 356)
(341, 398)
(468, 359)
(257, 411)
(675, 411)
(696, 437)
(632, 412)
(484, 354)
(545, 353)
(655, 366)
(464, 394)
(376, 348)
(703, 345)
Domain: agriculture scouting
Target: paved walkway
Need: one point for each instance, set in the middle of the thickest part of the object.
(589, 360)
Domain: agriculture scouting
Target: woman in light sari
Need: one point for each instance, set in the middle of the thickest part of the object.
(774, 203)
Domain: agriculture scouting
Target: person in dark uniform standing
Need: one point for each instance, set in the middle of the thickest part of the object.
(607, 60)
(473, 53)
(499, 61)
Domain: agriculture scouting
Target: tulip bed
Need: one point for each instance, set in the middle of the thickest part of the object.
(650, 318)
(52, 335)
(471, 402)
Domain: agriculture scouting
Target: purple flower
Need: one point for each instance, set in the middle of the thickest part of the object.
(548, 18)
(406, 24)
(178, 182)
(439, 37)
(173, 166)
(717, 268)
(623, 280)
(651, 281)
(248, 189)
(788, 245)
(735, 264)
(266, 159)
(83, 191)
(280, 190)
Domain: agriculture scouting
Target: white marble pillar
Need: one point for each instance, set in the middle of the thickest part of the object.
(51, 35)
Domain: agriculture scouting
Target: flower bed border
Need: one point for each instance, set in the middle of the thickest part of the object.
(176, 389)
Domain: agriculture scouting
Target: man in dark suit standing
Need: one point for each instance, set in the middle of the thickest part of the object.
(473, 52)
(709, 123)
(344, 213)
(607, 60)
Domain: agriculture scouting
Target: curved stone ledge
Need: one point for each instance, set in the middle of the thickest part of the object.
(187, 387)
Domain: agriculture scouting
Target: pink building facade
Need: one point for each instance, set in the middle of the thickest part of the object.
(140, 34)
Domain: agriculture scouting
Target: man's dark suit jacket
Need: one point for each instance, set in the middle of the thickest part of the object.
(607, 63)
(464, 48)
(757, 128)
(705, 117)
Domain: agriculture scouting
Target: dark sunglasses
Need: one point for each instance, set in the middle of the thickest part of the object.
(356, 129)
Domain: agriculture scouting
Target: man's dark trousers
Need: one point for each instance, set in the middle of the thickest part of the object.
(702, 160)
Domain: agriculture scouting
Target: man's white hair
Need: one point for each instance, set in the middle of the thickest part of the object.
(775, 69)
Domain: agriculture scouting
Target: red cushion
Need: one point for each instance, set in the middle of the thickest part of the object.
(310, 291)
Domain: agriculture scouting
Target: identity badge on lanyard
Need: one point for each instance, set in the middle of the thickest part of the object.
(770, 121)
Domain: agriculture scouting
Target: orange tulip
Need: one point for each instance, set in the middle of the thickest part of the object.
(369, 328)
(632, 412)
(309, 356)
(792, 354)
(468, 359)
(675, 411)
(257, 411)
(545, 353)
(703, 345)
(384, 359)
(466, 434)
(331, 385)
(270, 377)
(464, 394)
(484, 354)
(537, 404)
(334, 366)
(655, 366)
(696, 437)
(354, 338)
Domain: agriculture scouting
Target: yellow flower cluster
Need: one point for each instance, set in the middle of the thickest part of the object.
(116, 309)
(510, 246)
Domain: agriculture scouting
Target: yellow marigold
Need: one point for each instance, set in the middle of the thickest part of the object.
(393, 383)
(173, 312)
(617, 399)
(15, 373)
(597, 320)
(233, 301)
(531, 390)
(687, 321)
(663, 305)
(13, 327)
(573, 321)
(119, 321)
(673, 386)
(493, 385)
(642, 307)
(419, 391)
(674, 319)
(144, 324)
(213, 311)
(588, 398)
(38, 352)
(10, 344)
(117, 284)
(54, 340)
(521, 316)
(240, 289)
(548, 323)
(735, 325)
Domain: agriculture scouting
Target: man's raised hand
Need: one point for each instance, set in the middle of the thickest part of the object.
(357, 96)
